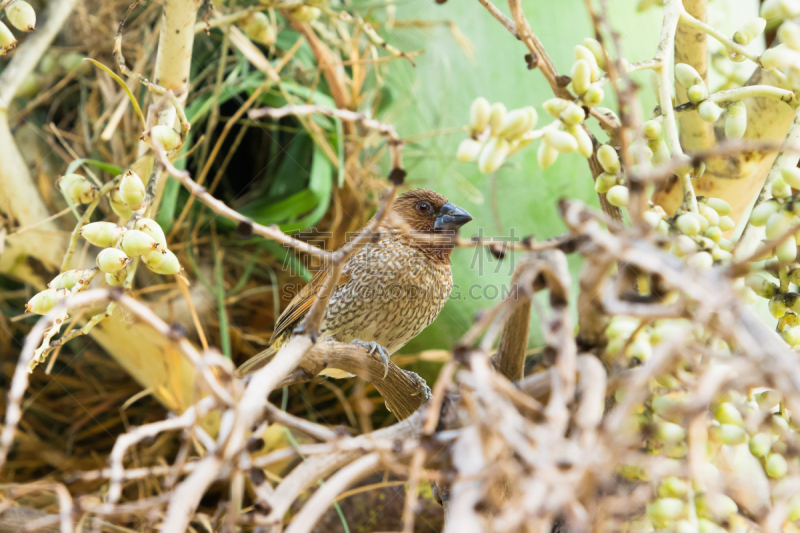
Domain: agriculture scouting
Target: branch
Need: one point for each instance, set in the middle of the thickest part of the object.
(691, 47)
(787, 158)
(672, 13)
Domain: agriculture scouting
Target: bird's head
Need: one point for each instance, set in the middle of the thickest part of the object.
(429, 218)
(428, 211)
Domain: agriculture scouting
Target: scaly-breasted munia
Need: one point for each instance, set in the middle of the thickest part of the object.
(390, 289)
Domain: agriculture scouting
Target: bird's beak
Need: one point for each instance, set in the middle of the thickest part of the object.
(451, 217)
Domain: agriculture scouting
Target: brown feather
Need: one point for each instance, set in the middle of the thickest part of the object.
(298, 308)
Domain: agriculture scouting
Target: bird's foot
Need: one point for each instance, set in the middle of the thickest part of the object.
(422, 385)
(376, 350)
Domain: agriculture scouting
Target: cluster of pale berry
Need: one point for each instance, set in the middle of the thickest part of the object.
(259, 28)
(22, 16)
(697, 92)
(786, 56)
(752, 429)
(496, 133)
(143, 238)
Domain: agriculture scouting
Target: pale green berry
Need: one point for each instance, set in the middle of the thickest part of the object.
(651, 129)
(585, 147)
(683, 246)
(168, 138)
(556, 106)
(714, 233)
(546, 155)
(111, 260)
(7, 39)
(776, 466)
(258, 28)
(709, 214)
(135, 243)
(581, 52)
(771, 9)
(493, 155)
(794, 275)
(736, 121)
(162, 263)
(468, 150)
(787, 250)
(46, 300)
(687, 75)
(791, 176)
(751, 30)
(791, 336)
(707, 526)
(102, 234)
(514, 124)
(718, 254)
(496, 117)
(779, 425)
(701, 261)
(660, 151)
(77, 188)
(608, 113)
(561, 141)
(572, 115)
(479, 113)
(618, 195)
(652, 218)
(118, 206)
(306, 13)
(670, 433)
(726, 223)
(21, 15)
(673, 486)
(727, 413)
(688, 224)
(581, 76)
(604, 182)
(663, 228)
(593, 96)
(779, 57)
(70, 278)
(597, 50)
(778, 224)
(609, 159)
(640, 350)
(621, 326)
(760, 443)
(152, 228)
(768, 399)
(665, 511)
(131, 190)
(729, 434)
(117, 279)
(762, 212)
(777, 307)
(697, 93)
(794, 509)
(709, 111)
(780, 189)
(790, 9)
(715, 506)
(725, 244)
(789, 33)
(761, 286)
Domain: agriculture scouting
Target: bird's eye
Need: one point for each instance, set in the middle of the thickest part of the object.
(423, 207)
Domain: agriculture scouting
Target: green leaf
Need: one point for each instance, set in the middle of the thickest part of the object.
(321, 185)
(121, 84)
(112, 169)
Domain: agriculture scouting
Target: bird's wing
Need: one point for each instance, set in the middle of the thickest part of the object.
(289, 319)
(301, 303)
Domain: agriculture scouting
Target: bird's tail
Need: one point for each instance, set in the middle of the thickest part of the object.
(256, 362)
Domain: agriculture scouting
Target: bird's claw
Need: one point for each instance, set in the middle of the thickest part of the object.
(374, 347)
(422, 385)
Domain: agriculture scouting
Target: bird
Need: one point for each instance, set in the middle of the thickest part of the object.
(390, 289)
